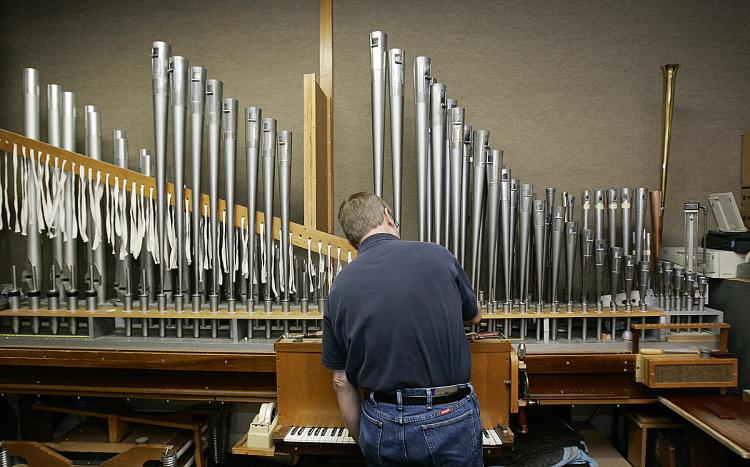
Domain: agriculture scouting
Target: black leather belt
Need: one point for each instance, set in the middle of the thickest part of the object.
(390, 397)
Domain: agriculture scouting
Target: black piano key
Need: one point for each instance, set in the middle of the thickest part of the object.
(339, 432)
(295, 430)
(317, 431)
(310, 430)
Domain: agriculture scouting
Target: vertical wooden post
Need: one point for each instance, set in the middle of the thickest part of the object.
(318, 131)
(326, 85)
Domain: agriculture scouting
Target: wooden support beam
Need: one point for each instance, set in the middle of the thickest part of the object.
(326, 85)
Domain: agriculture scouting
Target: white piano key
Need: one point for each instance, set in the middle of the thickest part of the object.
(340, 436)
(486, 439)
(307, 435)
(327, 436)
(495, 437)
(297, 436)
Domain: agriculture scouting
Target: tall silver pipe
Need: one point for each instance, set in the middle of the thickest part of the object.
(120, 157)
(644, 271)
(450, 104)
(505, 207)
(54, 137)
(31, 124)
(160, 52)
(268, 157)
(641, 204)
(197, 102)
(549, 208)
(524, 232)
(585, 210)
(481, 140)
(214, 97)
(422, 78)
(146, 167)
(437, 123)
(612, 205)
(253, 122)
(285, 180)
(467, 155)
(557, 247)
(378, 64)
(493, 171)
(396, 59)
(571, 241)
(456, 132)
(599, 215)
(625, 203)
(229, 142)
(587, 251)
(179, 88)
(93, 131)
(513, 221)
(600, 252)
(69, 144)
(667, 270)
(615, 264)
(539, 252)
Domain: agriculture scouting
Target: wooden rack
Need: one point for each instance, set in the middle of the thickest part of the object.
(300, 233)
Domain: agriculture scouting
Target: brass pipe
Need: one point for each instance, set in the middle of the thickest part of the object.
(670, 71)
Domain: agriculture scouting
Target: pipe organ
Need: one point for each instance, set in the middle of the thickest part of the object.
(151, 259)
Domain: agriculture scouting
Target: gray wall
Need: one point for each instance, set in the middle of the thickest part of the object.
(570, 90)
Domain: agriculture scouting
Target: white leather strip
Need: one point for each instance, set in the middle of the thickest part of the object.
(82, 209)
(123, 220)
(171, 256)
(5, 190)
(274, 290)
(58, 220)
(24, 187)
(244, 235)
(206, 240)
(321, 266)
(263, 277)
(188, 244)
(310, 267)
(15, 188)
(292, 275)
(73, 203)
(108, 210)
(329, 267)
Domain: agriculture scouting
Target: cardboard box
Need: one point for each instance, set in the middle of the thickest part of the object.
(746, 159)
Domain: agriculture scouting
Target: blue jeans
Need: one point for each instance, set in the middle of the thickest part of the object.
(429, 435)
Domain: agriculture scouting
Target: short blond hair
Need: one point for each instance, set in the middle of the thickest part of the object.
(359, 214)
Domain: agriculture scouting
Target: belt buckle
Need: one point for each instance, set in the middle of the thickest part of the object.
(446, 390)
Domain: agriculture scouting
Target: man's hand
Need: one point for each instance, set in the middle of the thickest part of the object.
(349, 402)
(478, 317)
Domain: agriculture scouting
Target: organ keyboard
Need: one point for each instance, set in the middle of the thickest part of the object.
(309, 420)
(339, 435)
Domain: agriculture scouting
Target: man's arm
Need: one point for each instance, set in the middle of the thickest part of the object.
(478, 318)
(471, 309)
(349, 402)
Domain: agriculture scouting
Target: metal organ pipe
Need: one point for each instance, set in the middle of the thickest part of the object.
(378, 62)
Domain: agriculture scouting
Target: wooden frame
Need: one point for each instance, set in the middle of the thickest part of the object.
(300, 233)
(722, 327)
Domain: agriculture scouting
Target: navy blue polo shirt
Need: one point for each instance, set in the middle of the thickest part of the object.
(394, 317)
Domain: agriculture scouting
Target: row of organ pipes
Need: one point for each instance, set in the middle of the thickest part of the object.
(531, 251)
(174, 256)
(542, 265)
